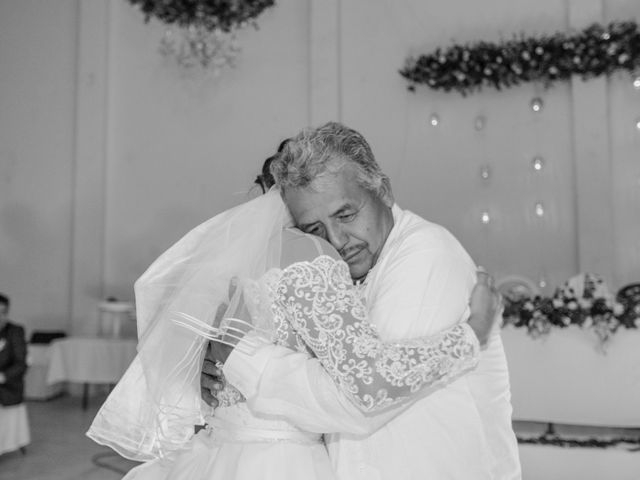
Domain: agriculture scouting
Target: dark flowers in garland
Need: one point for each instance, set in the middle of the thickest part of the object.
(206, 29)
(596, 50)
(211, 14)
(595, 309)
(630, 443)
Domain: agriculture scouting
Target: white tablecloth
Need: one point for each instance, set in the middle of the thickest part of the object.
(35, 380)
(14, 428)
(563, 378)
(89, 360)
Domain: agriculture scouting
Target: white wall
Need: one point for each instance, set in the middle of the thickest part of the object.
(182, 148)
(37, 128)
(108, 154)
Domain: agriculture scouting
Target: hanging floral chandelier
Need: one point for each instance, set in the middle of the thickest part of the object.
(202, 33)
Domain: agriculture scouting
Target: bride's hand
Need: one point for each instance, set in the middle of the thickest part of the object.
(486, 307)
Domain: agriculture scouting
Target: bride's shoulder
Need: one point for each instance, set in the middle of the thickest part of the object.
(298, 246)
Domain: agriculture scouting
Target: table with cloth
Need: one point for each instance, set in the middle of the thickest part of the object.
(14, 422)
(35, 380)
(90, 361)
(560, 378)
(565, 377)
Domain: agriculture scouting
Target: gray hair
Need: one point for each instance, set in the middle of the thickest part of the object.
(312, 153)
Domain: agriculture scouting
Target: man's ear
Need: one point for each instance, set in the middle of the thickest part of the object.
(386, 194)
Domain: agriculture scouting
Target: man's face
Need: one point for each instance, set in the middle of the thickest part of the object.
(354, 220)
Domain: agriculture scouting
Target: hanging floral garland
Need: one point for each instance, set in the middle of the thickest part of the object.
(206, 30)
(628, 443)
(596, 50)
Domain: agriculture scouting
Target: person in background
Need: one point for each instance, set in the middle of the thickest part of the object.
(13, 357)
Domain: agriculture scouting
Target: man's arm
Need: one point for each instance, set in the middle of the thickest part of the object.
(280, 382)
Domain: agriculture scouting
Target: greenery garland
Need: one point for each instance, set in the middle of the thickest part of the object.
(594, 51)
(557, 441)
(222, 15)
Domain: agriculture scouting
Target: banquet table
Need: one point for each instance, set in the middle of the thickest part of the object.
(35, 380)
(89, 360)
(15, 433)
(565, 378)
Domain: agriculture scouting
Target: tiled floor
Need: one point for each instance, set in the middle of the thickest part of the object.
(59, 449)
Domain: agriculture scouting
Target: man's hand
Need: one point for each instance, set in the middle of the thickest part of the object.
(486, 307)
(211, 378)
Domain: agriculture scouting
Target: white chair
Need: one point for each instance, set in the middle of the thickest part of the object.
(14, 428)
(516, 287)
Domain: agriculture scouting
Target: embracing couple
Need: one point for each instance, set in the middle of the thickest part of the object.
(361, 344)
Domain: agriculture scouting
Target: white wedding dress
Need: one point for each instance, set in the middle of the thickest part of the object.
(311, 305)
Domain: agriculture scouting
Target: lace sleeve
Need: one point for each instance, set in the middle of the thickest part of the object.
(320, 302)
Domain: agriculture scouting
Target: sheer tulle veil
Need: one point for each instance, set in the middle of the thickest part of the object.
(152, 411)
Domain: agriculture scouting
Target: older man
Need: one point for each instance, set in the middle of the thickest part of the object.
(417, 279)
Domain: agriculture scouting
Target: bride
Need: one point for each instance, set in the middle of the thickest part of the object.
(292, 289)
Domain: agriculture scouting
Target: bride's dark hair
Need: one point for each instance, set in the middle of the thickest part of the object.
(265, 179)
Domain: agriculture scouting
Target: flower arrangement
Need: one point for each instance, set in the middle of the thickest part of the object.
(583, 301)
(206, 29)
(594, 51)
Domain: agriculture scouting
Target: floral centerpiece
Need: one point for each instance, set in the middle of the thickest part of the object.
(583, 301)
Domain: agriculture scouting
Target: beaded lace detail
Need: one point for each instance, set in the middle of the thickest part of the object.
(228, 396)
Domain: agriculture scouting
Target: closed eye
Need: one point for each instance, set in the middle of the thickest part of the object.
(316, 230)
(347, 217)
